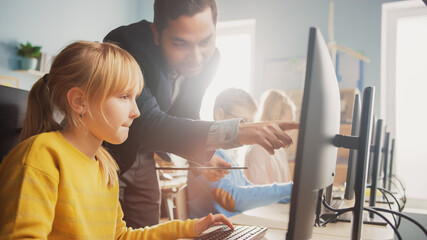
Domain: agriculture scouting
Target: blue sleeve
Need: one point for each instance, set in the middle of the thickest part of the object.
(248, 197)
(236, 194)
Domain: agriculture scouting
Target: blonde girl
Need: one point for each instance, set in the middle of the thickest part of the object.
(276, 105)
(59, 182)
(263, 167)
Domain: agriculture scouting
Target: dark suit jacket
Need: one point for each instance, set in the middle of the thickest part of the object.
(162, 126)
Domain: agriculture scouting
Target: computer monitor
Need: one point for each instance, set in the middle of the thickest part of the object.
(13, 106)
(352, 157)
(386, 156)
(372, 149)
(379, 138)
(363, 151)
(319, 124)
(390, 171)
(337, 203)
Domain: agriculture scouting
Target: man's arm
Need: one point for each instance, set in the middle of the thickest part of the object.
(158, 131)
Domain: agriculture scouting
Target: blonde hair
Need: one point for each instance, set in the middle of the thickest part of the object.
(100, 70)
(275, 105)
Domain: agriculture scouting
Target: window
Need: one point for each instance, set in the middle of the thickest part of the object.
(235, 41)
(403, 73)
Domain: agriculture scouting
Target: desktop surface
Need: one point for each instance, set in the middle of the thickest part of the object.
(276, 217)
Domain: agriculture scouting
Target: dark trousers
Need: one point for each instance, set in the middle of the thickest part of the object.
(140, 193)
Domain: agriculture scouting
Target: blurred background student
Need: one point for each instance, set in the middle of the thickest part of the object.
(263, 167)
(235, 103)
(233, 193)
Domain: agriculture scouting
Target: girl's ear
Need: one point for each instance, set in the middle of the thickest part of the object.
(76, 100)
(155, 34)
(218, 114)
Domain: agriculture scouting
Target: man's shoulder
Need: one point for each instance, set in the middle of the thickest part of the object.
(138, 40)
(142, 26)
(137, 34)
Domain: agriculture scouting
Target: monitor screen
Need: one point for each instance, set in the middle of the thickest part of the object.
(379, 136)
(385, 160)
(319, 124)
(372, 149)
(390, 164)
(351, 165)
(363, 151)
(13, 106)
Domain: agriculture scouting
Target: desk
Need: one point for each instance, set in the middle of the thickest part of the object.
(276, 218)
(170, 190)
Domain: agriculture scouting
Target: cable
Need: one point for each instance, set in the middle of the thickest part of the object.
(401, 188)
(334, 209)
(385, 219)
(403, 196)
(404, 216)
(383, 191)
(319, 221)
(389, 206)
(391, 194)
(400, 191)
(336, 215)
(395, 199)
(402, 183)
(397, 224)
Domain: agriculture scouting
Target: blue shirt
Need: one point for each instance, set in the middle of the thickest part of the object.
(232, 194)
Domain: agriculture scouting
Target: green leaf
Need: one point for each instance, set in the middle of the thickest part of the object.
(28, 50)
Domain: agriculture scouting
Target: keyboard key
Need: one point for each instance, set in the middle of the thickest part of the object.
(239, 232)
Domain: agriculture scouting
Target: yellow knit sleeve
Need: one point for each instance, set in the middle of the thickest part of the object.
(28, 198)
(170, 230)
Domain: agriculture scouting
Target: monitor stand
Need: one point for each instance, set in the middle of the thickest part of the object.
(327, 214)
(376, 220)
(334, 201)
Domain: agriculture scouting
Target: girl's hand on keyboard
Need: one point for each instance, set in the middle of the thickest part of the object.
(211, 220)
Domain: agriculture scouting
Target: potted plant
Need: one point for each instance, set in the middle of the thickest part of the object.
(29, 54)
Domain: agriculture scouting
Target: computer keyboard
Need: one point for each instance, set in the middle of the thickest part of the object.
(239, 232)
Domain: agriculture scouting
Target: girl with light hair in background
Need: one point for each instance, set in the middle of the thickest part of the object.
(264, 168)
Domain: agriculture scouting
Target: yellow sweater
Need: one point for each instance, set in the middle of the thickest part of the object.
(51, 190)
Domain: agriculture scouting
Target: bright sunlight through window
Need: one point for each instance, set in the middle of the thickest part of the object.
(235, 42)
(411, 85)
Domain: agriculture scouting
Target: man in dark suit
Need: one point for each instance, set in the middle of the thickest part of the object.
(178, 57)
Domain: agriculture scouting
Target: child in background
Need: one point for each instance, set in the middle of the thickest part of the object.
(235, 103)
(264, 168)
(233, 193)
(59, 182)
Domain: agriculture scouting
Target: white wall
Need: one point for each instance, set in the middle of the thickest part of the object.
(282, 30)
(54, 24)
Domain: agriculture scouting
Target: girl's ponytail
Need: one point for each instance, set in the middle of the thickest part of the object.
(39, 117)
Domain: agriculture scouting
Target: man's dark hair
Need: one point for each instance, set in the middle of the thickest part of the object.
(165, 10)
